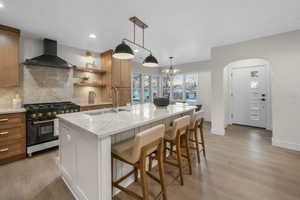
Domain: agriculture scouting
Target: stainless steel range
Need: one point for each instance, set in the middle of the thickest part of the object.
(40, 124)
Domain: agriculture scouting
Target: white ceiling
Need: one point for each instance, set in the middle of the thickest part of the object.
(185, 29)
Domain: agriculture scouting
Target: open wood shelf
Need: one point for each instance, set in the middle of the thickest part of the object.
(89, 84)
(84, 69)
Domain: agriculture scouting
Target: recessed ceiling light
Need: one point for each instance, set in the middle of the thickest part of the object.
(1, 5)
(136, 50)
(92, 35)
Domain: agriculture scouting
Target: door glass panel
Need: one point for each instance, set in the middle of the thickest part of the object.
(254, 84)
(254, 74)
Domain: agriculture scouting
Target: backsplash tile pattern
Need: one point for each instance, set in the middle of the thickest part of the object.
(44, 84)
(6, 95)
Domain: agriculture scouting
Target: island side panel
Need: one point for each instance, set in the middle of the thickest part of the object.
(104, 169)
(79, 161)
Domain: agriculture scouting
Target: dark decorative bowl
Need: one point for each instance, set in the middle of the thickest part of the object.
(161, 101)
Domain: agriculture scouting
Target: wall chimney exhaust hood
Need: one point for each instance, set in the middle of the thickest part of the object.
(49, 58)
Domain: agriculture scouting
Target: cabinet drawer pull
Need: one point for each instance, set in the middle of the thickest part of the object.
(4, 133)
(3, 150)
(3, 120)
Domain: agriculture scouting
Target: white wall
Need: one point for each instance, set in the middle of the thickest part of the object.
(204, 95)
(283, 53)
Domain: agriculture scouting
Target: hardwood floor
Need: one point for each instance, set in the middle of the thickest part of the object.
(240, 165)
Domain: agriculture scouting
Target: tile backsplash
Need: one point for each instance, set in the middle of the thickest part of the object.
(44, 84)
(6, 95)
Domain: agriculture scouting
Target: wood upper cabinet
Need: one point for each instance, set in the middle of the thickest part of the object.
(121, 73)
(9, 56)
(118, 74)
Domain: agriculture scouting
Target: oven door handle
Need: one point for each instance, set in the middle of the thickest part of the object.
(42, 122)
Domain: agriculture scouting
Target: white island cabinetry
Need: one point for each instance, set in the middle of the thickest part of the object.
(86, 139)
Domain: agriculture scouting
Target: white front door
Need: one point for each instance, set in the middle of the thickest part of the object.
(249, 96)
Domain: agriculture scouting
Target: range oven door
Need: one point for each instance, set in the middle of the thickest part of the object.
(40, 131)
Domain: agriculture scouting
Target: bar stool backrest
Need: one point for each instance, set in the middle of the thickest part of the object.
(180, 124)
(149, 139)
(195, 118)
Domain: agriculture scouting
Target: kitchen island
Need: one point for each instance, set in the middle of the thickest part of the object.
(86, 139)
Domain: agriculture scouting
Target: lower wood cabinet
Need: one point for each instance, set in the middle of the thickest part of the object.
(95, 107)
(12, 137)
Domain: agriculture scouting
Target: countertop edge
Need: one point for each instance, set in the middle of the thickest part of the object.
(124, 129)
(12, 111)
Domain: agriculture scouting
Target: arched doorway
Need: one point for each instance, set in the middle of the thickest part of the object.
(247, 89)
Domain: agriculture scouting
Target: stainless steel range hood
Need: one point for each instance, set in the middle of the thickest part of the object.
(49, 58)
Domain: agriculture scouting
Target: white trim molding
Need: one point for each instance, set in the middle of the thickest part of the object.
(285, 144)
(218, 131)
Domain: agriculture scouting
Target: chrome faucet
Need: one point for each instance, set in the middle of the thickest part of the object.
(116, 99)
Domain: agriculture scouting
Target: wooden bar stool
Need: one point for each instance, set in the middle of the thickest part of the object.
(134, 152)
(197, 124)
(175, 135)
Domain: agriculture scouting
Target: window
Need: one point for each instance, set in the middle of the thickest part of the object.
(154, 86)
(166, 87)
(191, 86)
(178, 88)
(185, 88)
(136, 93)
(147, 88)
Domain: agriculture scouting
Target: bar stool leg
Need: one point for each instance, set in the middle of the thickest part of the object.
(202, 141)
(165, 150)
(136, 174)
(179, 158)
(161, 172)
(187, 144)
(197, 144)
(142, 166)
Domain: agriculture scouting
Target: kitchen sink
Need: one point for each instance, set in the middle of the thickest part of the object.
(102, 112)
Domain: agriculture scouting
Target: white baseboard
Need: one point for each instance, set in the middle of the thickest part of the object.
(286, 145)
(218, 131)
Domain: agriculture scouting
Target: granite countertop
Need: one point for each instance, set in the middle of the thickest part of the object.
(95, 104)
(11, 110)
(110, 123)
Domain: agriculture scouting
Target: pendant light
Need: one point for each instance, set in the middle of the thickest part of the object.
(171, 71)
(150, 61)
(123, 51)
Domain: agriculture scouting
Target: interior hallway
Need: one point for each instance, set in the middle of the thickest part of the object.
(240, 165)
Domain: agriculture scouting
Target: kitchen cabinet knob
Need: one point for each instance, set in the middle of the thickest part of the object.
(3, 120)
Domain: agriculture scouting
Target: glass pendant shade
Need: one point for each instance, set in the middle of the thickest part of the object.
(123, 52)
(150, 61)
